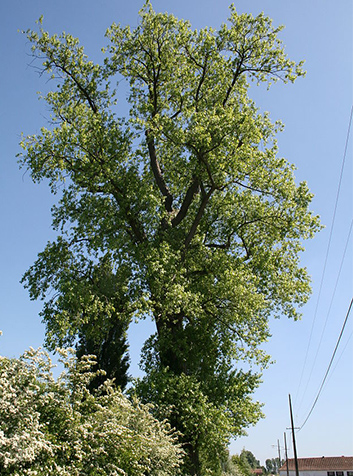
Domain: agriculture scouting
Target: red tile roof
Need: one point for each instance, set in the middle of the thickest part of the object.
(325, 463)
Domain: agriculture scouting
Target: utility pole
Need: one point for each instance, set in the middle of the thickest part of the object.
(279, 456)
(286, 453)
(293, 436)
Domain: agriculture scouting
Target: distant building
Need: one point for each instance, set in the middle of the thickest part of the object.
(324, 466)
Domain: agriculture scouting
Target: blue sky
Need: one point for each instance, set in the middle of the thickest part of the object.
(315, 111)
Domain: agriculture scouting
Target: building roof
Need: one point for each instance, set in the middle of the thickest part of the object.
(325, 463)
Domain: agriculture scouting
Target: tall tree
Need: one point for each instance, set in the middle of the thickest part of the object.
(186, 203)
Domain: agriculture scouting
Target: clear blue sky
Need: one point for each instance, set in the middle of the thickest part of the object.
(316, 113)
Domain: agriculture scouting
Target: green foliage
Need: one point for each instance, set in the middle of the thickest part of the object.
(231, 468)
(182, 211)
(273, 465)
(248, 456)
(242, 465)
(245, 463)
(59, 427)
(204, 420)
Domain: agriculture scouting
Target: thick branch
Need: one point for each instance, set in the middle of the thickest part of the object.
(157, 172)
(198, 217)
(191, 192)
(202, 159)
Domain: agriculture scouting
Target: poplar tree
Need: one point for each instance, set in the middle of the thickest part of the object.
(181, 210)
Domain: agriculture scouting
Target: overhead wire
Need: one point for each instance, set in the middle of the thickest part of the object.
(340, 356)
(329, 309)
(329, 366)
(326, 257)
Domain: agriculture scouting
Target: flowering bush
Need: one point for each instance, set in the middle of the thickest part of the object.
(57, 426)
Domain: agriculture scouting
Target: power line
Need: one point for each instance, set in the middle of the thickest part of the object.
(336, 284)
(327, 252)
(329, 366)
(340, 356)
(329, 310)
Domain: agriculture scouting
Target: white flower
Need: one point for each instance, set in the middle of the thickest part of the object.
(58, 427)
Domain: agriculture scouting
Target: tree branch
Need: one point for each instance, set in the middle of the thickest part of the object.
(235, 77)
(176, 114)
(249, 187)
(190, 194)
(138, 233)
(157, 172)
(198, 217)
(202, 79)
(223, 246)
(78, 84)
(248, 252)
(229, 326)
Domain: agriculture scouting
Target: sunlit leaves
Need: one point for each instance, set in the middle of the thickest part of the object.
(182, 210)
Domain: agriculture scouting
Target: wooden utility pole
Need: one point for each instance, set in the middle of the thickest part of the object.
(286, 453)
(279, 456)
(293, 436)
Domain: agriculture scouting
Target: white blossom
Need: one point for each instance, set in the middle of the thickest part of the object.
(57, 427)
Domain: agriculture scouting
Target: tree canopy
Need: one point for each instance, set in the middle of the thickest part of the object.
(180, 209)
(273, 465)
(245, 463)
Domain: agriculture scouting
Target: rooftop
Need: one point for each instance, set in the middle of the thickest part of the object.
(325, 463)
